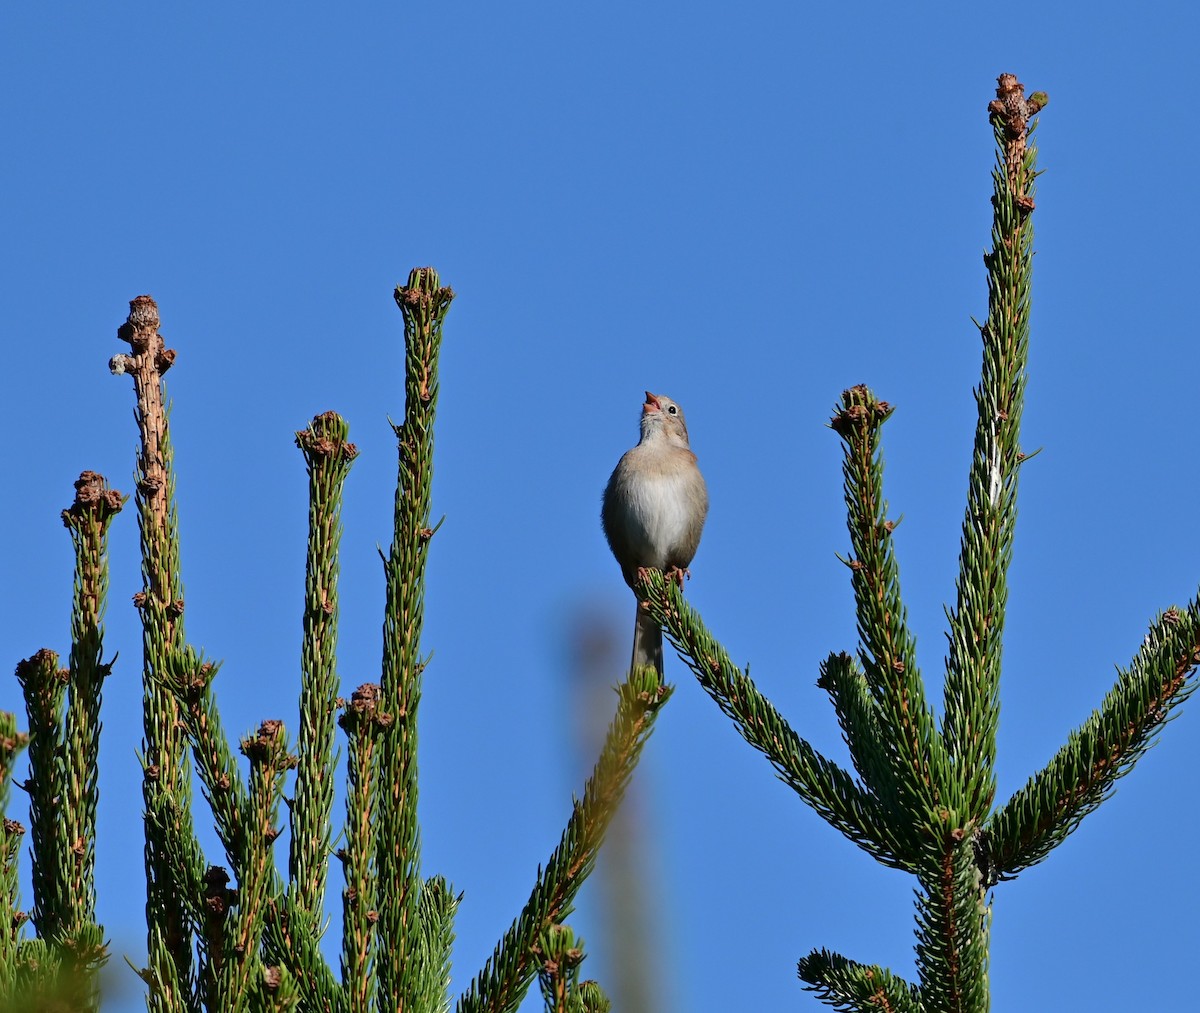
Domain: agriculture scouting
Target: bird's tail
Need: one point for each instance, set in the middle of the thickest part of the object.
(647, 641)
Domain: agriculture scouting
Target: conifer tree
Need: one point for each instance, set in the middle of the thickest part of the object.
(242, 932)
(921, 797)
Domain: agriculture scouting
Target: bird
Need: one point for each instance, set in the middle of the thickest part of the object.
(653, 511)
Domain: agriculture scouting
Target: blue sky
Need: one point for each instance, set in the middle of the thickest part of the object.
(747, 211)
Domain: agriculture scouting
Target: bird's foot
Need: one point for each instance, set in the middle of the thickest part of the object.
(679, 574)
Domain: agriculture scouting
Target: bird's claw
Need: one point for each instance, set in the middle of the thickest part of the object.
(679, 574)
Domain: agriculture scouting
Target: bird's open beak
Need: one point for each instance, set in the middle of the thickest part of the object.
(652, 404)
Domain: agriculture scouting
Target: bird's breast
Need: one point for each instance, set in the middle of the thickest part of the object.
(666, 509)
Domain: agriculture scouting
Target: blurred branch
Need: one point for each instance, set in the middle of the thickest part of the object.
(504, 980)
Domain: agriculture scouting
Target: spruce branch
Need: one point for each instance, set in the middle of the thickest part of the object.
(827, 788)
(423, 303)
(361, 721)
(63, 706)
(188, 676)
(179, 700)
(166, 989)
(290, 933)
(276, 991)
(852, 987)
(505, 978)
(926, 804)
(292, 944)
(589, 997)
(972, 684)
(12, 744)
(44, 685)
(561, 954)
(241, 964)
(888, 649)
(953, 918)
(184, 857)
(844, 681)
(438, 906)
(169, 937)
(45, 982)
(214, 930)
(328, 456)
(1106, 747)
(12, 834)
(88, 519)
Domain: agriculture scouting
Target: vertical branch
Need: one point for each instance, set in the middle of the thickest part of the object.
(84, 950)
(12, 744)
(11, 835)
(190, 678)
(290, 934)
(292, 944)
(972, 703)
(241, 963)
(438, 908)
(888, 652)
(12, 918)
(88, 519)
(952, 928)
(424, 303)
(44, 685)
(362, 722)
(219, 899)
(328, 456)
(560, 953)
(166, 777)
(591, 998)
(953, 914)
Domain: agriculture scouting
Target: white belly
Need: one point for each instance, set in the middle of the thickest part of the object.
(660, 509)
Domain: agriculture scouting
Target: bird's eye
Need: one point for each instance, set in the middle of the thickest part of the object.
(672, 409)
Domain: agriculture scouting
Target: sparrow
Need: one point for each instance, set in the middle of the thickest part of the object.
(653, 511)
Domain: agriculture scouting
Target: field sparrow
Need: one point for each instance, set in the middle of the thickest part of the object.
(654, 510)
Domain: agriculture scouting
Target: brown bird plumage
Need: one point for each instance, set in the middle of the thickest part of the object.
(654, 510)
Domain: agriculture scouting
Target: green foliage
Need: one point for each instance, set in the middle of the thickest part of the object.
(848, 985)
(1105, 747)
(328, 455)
(63, 709)
(246, 936)
(561, 955)
(923, 797)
